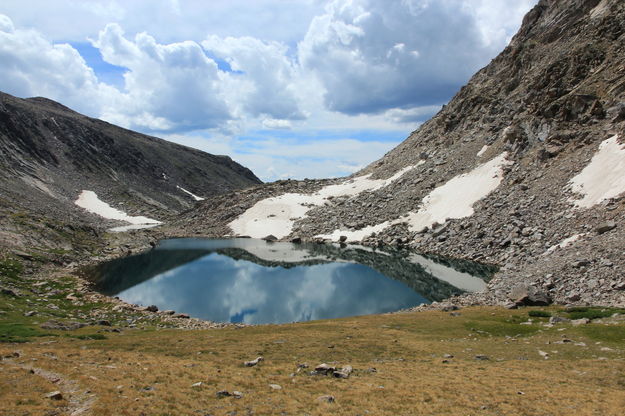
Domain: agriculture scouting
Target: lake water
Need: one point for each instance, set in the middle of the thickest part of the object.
(256, 282)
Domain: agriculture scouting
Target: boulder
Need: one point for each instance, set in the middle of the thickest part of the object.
(527, 295)
(270, 238)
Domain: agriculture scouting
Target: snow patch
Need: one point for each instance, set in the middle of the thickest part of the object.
(604, 177)
(197, 198)
(90, 201)
(131, 227)
(564, 243)
(454, 199)
(483, 150)
(276, 215)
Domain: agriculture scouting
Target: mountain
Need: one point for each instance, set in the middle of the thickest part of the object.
(50, 154)
(524, 169)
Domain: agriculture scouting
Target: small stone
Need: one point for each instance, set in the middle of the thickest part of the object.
(343, 372)
(169, 312)
(343, 238)
(152, 308)
(55, 395)
(30, 313)
(482, 357)
(275, 387)
(198, 384)
(324, 369)
(558, 320)
(223, 393)
(448, 356)
(326, 398)
(104, 322)
(605, 227)
(578, 322)
(237, 394)
(253, 362)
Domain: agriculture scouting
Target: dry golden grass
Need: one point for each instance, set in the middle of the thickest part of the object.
(152, 372)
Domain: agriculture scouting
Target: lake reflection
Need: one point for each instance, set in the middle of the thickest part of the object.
(254, 282)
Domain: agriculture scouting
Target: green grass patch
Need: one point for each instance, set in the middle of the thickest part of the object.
(604, 333)
(10, 268)
(16, 332)
(592, 313)
(539, 314)
(500, 328)
(89, 336)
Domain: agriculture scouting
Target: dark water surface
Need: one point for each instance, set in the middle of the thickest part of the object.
(255, 282)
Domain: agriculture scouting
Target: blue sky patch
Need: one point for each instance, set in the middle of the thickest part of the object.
(107, 73)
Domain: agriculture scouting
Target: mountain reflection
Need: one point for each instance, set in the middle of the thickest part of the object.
(251, 281)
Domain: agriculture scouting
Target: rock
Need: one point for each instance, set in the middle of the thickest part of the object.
(324, 369)
(152, 308)
(448, 356)
(578, 322)
(223, 393)
(104, 322)
(30, 313)
(253, 362)
(529, 296)
(275, 387)
(55, 395)
(169, 312)
(296, 240)
(482, 357)
(326, 398)
(182, 315)
(9, 292)
(237, 394)
(270, 238)
(605, 227)
(342, 238)
(558, 320)
(198, 384)
(343, 372)
(581, 263)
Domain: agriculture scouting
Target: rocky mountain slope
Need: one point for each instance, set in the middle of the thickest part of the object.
(524, 168)
(49, 154)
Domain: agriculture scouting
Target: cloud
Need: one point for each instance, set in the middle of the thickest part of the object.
(32, 66)
(267, 72)
(372, 56)
(168, 87)
(311, 154)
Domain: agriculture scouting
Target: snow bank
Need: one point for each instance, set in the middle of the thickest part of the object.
(90, 201)
(277, 215)
(197, 198)
(564, 243)
(454, 199)
(604, 177)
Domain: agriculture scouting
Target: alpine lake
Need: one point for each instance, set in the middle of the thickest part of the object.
(252, 281)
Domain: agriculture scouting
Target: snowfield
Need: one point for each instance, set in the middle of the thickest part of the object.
(90, 201)
(454, 199)
(604, 177)
(277, 215)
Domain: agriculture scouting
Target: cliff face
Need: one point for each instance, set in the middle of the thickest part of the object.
(523, 168)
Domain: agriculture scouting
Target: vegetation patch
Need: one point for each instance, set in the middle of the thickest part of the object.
(17, 332)
(539, 314)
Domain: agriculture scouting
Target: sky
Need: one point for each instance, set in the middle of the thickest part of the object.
(289, 88)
